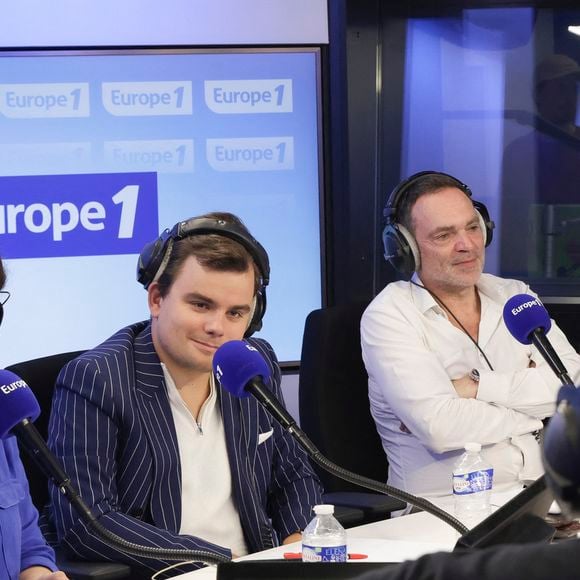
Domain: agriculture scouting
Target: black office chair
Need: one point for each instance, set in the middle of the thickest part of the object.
(334, 408)
(40, 375)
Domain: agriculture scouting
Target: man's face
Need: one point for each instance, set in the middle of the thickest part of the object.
(446, 227)
(202, 310)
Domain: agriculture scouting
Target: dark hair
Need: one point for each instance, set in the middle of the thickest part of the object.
(212, 251)
(430, 183)
(2, 275)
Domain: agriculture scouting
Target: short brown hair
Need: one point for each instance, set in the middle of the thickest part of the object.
(212, 251)
(2, 275)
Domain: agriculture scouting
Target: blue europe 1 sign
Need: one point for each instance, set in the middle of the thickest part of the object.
(44, 216)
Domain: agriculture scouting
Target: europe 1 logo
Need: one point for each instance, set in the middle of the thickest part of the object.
(75, 215)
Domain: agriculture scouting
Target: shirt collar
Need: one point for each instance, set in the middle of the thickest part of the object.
(422, 298)
(425, 301)
(173, 392)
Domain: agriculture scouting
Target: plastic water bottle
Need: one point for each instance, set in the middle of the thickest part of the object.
(324, 539)
(472, 485)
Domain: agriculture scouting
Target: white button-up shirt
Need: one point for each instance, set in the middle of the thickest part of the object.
(412, 352)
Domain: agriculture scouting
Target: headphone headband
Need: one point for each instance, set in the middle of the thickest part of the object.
(200, 226)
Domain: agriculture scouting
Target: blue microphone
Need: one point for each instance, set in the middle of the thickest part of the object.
(236, 363)
(19, 408)
(242, 371)
(18, 403)
(528, 322)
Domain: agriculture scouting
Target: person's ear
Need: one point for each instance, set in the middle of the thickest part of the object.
(154, 299)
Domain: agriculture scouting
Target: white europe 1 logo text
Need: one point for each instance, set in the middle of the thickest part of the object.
(249, 96)
(7, 389)
(44, 100)
(65, 217)
(147, 98)
(528, 304)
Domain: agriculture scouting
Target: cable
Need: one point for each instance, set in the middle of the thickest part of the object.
(313, 452)
(441, 303)
(172, 567)
(36, 447)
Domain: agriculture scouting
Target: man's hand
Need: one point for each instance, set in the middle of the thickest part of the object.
(466, 387)
(295, 537)
(41, 573)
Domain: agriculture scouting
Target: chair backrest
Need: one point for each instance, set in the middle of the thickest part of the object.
(333, 395)
(40, 375)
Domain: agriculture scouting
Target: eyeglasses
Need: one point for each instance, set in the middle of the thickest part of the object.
(4, 296)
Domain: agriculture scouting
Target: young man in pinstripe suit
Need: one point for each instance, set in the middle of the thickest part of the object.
(159, 452)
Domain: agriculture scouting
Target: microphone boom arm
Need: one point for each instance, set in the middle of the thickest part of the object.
(36, 447)
(264, 395)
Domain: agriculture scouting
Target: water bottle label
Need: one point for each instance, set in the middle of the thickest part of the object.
(473, 482)
(324, 554)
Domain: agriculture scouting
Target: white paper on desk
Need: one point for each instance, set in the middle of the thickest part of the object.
(392, 550)
(377, 550)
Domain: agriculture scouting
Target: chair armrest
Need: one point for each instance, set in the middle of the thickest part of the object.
(348, 517)
(80, 570)
(372, 504)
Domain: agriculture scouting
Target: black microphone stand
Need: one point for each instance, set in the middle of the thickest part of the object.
(540, 341)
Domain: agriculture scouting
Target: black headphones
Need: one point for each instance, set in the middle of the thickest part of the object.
(400, 247)
(156, 254)
(4, 296)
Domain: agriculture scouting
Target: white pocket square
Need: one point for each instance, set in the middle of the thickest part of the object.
(264, 436)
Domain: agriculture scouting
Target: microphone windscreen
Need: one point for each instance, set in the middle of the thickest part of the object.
(561, 451)
(17, 402)
(523, 314)
(235, 363)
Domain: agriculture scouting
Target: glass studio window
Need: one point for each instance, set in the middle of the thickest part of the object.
(491, 96)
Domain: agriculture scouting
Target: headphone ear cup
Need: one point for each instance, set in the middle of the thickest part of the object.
(401, 249)
(257, 313)
(149, 261)
(485, 222)
(483, 228)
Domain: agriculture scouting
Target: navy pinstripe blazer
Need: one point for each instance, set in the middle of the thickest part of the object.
(112, 428)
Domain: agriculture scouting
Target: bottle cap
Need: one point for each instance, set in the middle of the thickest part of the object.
(473, 447)
(323, 509)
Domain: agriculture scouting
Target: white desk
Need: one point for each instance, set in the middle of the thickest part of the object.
(395, 540)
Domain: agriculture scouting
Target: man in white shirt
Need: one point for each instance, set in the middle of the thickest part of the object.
(443, 368)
